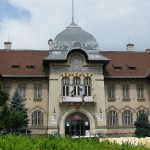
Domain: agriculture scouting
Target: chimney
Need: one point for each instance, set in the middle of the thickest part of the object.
(7, 45)
(147, 50)
(50, 43)
(130, 47)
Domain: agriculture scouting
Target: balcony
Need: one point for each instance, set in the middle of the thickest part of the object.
(77, 99)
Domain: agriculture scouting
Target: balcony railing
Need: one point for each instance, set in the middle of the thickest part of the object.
(77, 99)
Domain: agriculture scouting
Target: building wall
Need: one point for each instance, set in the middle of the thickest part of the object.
(52, 100)
(64, 109)
(31, 103)
(133, 104)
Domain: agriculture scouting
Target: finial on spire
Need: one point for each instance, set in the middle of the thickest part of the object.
(72, 12)
(72, 23)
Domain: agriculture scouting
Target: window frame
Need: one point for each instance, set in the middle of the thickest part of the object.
(87, 86)
(37, 118)
(37, 90)
(76, 86)
(65, 86)
(140, 91)
(127, 118)
(22, 90)
(7, 87)
(140, 112)
(126, 91)
(111, 91)
(112, 118)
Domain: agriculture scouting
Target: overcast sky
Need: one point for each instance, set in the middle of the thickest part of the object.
(28, 24)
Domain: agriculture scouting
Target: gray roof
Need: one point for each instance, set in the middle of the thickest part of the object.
(74, 36)
(58, 55)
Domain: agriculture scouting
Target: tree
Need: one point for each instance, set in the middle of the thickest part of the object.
(3, 114)
(3, 107)
(3, 96)
(13, 121)
(142, 126)
(15, 116)
(18, 105)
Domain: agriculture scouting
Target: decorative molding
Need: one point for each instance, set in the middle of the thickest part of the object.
(111, 99)
(112, 108)
(53, 79)
(126, 99)
(140, 99)
(59, 70)
(37, 99)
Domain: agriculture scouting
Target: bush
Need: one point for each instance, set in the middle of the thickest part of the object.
(142, 126)
(11, 142)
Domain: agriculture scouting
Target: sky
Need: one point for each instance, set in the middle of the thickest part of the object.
(29, 24)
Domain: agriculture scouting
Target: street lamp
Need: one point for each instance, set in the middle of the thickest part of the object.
(54, 112)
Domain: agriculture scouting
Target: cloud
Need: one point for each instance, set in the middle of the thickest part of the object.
(112, 22)
(7, 10)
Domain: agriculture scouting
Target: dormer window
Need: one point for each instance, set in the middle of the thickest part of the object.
(30, 66)
(15, 66)
(132, 67)
(117, 67)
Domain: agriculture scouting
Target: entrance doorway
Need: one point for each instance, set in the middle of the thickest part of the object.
(77, 124)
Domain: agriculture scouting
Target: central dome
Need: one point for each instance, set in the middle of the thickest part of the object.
(74, 37)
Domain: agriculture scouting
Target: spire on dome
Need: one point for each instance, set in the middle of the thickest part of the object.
(72, 12)
(73, 23)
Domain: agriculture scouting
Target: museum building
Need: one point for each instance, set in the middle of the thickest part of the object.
(74, 88)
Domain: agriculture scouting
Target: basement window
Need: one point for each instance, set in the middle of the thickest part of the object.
(30, 66)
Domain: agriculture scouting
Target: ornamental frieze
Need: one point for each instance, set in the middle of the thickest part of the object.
(61, 69)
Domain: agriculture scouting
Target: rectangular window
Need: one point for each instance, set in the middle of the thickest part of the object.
(22, 90)
(65, 90)
(87, 90)
(125, 88)
(37, 90)
(140, 91)
(6, 87)
(111, 91)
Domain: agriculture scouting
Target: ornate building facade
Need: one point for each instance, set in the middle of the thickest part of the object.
(74, 88)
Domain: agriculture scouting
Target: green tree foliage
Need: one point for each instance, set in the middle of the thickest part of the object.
(14, 120)
(18, 105)
(3, 114)
(3, 107)
(142, 126)
(15, 116)
(3, 96)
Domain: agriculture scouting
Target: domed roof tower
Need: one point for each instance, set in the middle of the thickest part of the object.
(72, 36)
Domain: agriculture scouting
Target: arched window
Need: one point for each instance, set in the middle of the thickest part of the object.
(141, 112)
(112, 118)
(127, 117)
(37, 118)
(65, 86)
(76, 86)
(87, 86)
